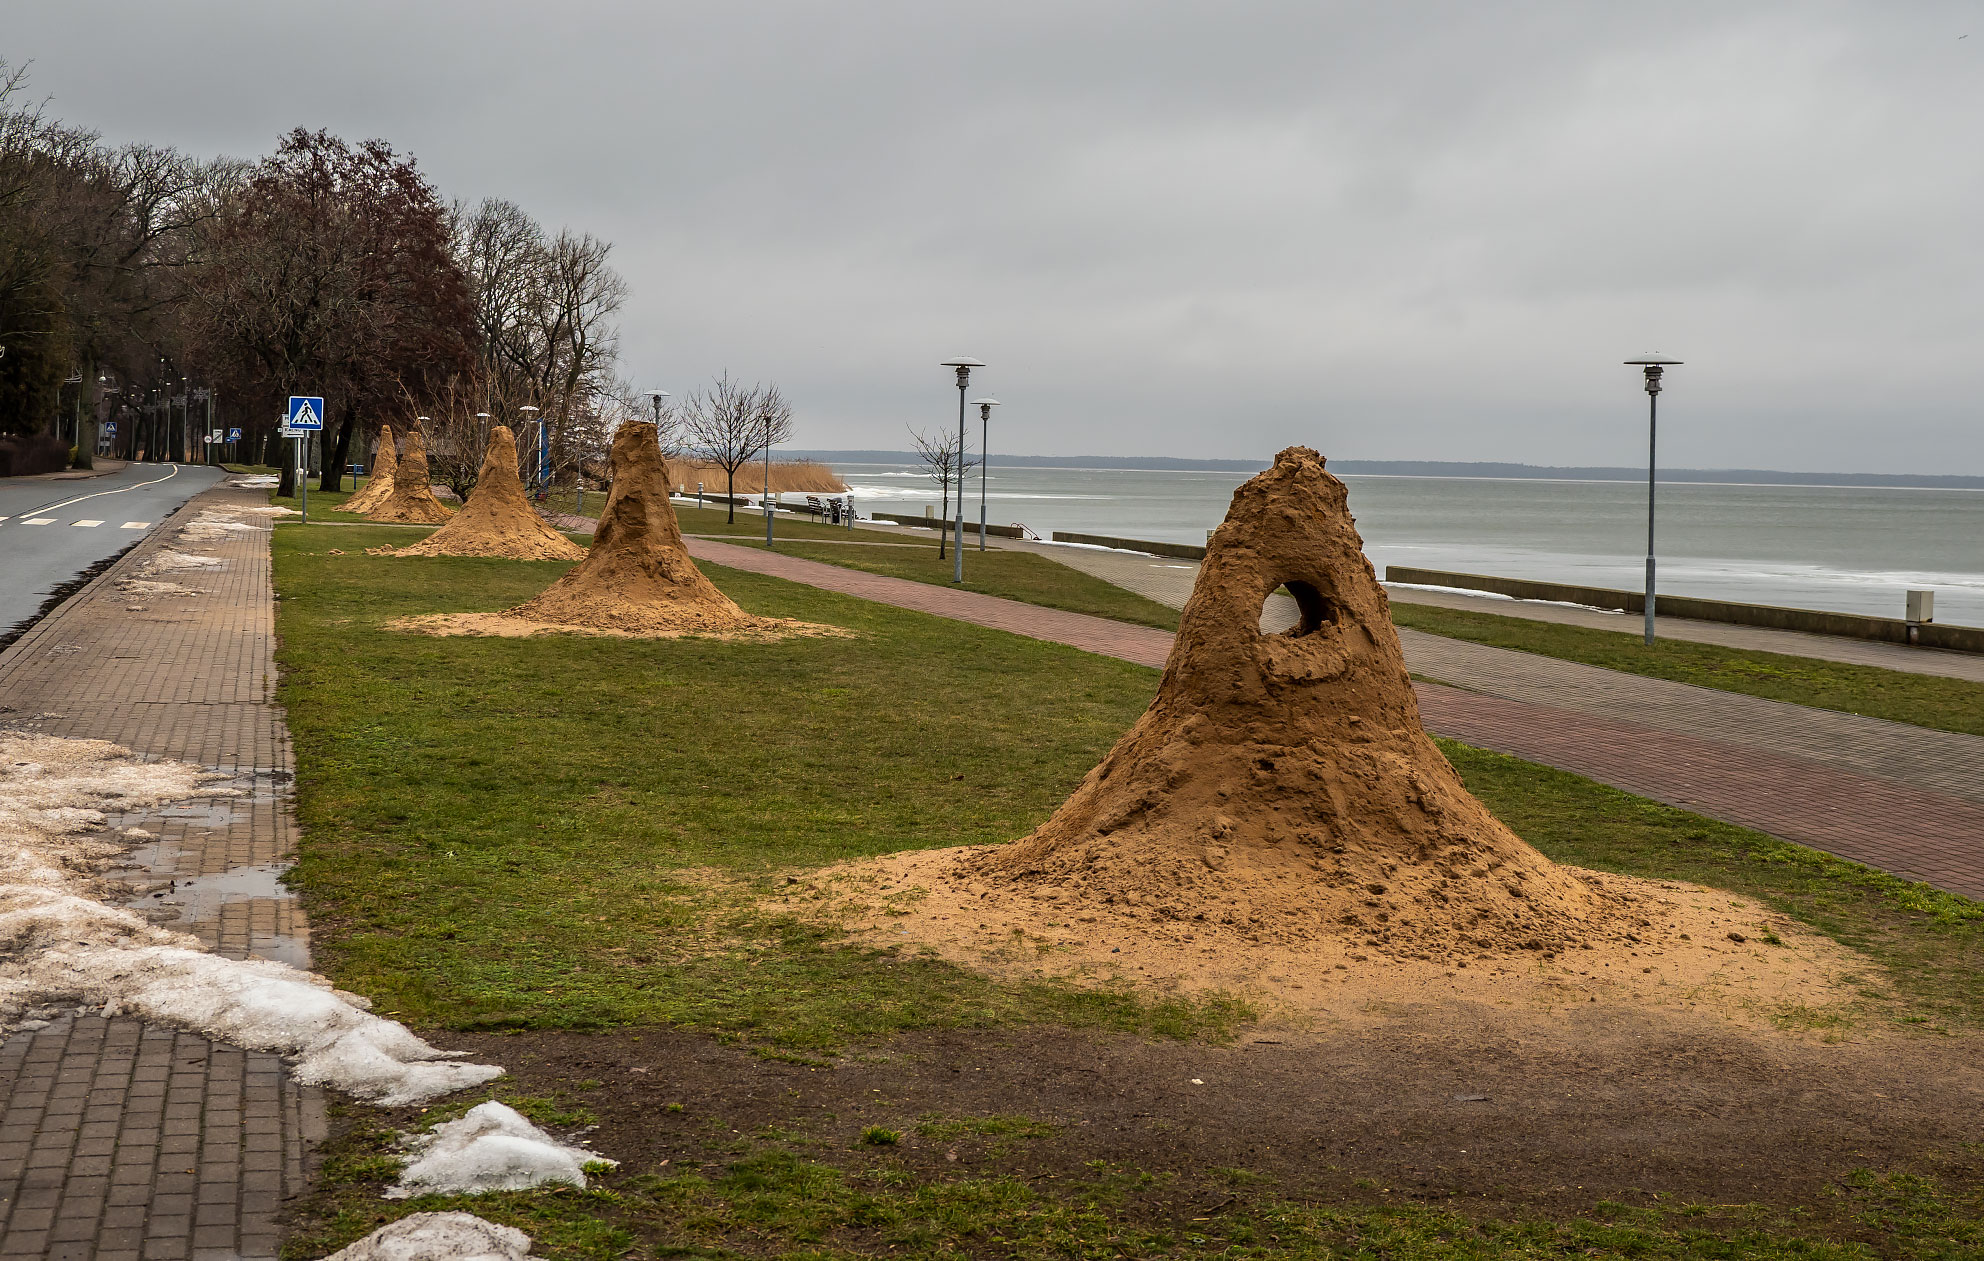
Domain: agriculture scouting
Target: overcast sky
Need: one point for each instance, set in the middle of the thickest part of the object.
(1405, 230)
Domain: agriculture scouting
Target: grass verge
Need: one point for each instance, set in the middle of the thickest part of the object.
(1924, 700)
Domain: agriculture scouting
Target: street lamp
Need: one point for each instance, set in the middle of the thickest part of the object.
(1654, 365)
(543, 469)
(964, 365)
(984, 406)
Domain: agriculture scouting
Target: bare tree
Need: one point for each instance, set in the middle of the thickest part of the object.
(945, 462)
(731, 424)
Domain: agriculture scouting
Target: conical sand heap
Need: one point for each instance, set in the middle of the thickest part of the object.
(638, 576)
(1280, 787)
(497, 520)
(378, 487)
(412, 498)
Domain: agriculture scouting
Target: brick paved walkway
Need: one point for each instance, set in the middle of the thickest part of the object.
(120, 1140)
(1904, 799)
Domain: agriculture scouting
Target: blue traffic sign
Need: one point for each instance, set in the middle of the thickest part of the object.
(305, 413)
(234, 435)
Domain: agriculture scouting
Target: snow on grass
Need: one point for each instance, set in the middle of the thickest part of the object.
(431, 1236)
(60, 945)
(493, 1148)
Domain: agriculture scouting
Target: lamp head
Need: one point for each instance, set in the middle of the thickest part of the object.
(985, 406)
(964, 364)
(528, 408)
(1654, 366)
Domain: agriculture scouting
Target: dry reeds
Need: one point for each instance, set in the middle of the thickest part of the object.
(795, 476)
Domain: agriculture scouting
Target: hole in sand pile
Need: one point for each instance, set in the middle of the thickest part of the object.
(1317, 609)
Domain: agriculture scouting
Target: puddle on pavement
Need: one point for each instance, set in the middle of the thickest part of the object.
(197, 900)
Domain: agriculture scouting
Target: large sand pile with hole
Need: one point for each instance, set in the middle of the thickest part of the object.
(497, 520)
(1281, 799)
(379, 486)
(412, 498)
(636, 580)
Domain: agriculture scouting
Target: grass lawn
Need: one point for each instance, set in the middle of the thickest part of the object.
(564, 834)
(1925, 700)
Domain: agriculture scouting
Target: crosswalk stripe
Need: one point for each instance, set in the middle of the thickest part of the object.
(85, 524)
(135, 525)
(39, 521)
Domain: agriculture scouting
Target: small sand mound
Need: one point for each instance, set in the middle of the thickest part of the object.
(638, 576)
(412, 497)
(498, 520)
(379, 486)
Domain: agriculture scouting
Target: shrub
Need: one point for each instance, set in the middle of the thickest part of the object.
(24, 454)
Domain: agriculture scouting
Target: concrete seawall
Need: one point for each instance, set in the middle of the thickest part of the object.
(1812, 621)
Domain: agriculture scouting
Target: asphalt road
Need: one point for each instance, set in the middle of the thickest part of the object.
(50, 531)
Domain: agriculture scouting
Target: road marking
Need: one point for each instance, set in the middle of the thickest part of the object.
(84, 525)
(120, 490)
(39, 521)
(135, 525)
(4, 518)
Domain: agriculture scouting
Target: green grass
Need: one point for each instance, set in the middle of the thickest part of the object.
(569, 831)
(1925, 700)
(782, 1200)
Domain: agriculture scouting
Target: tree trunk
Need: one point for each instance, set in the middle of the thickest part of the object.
(944, 525)
(730, 493)
(333, 478)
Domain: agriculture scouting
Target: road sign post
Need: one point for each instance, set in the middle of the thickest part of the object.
(306, 417)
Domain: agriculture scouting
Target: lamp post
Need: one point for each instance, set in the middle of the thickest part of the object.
(984, 406)
(1654, 365)
(766, 498)
(541, 474)
(964, 365)
(655, 397)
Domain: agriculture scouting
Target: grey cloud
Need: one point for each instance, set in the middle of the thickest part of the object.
(1410, 230)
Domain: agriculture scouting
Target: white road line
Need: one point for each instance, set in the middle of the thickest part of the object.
(39, 521)
(119, 491)
(136, 525)
(85, 525)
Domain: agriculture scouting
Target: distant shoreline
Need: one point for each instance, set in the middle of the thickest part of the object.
(1446, 468)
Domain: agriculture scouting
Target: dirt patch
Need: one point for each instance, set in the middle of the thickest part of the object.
(759, 630)
(1455, 1103)
(638, 576)
(497, 521)
(412, 496)
(379, 487)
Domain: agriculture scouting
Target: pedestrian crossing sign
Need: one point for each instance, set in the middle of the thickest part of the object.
(305, 412)
(234, 435)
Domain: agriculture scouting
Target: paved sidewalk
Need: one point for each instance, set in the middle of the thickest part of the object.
(120, 1140)
(1904, 799)
(1169, 581)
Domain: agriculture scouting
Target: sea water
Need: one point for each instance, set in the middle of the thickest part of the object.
(1847, 549)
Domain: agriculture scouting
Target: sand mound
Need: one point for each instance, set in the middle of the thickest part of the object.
(1279, 800)
(498, 520)
(379, 487)
(638, 576)
(412, 497)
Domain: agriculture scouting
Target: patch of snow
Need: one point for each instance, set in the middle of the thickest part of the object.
(59, 944)
(255, 481)
(439, 1236)
(493, 1148)
(211, 526)
(144, 586)
(165, 559)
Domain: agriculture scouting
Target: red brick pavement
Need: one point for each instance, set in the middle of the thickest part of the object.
(1926, 835)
